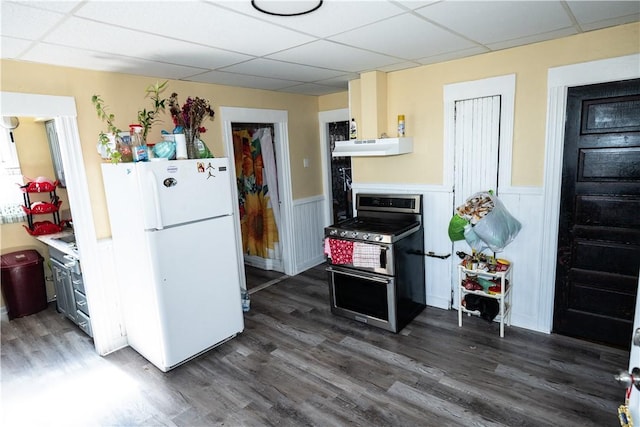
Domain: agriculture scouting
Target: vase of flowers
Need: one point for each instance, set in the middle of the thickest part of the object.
(188, 119)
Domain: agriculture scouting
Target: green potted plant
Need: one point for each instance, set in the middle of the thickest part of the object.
(148, 118)
(109, 145)
(110, 141)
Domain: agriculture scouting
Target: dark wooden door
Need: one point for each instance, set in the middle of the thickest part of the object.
(599, 230)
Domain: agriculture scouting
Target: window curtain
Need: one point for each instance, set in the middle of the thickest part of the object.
(257, 192)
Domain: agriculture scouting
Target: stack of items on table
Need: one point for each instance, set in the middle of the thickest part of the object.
(484, 223)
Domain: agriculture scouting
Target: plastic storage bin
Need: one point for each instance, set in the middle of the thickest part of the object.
(23, 284)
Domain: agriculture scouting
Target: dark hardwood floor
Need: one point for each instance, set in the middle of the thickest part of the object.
(258, 279)
(296, 364)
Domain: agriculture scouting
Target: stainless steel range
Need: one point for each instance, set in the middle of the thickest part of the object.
(376, 261)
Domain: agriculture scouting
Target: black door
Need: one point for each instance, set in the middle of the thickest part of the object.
(599, 230)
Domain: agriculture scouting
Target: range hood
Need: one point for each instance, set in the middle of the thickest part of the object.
(373, 147)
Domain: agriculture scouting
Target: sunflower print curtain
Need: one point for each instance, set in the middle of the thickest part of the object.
(259, 230)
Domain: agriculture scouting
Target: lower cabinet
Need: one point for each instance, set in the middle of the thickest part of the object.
(65, 300)
(70, 294)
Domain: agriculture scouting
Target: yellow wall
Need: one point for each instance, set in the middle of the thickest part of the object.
(418, 94)
(124, 95)
(335, 101)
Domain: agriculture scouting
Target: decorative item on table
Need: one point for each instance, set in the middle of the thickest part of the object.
(401, 125)
(166, 149)
(484, 222)
(188, 120)
(115, 145)
(138, 145)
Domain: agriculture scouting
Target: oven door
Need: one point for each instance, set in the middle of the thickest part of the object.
(363, 296)
(382, 264)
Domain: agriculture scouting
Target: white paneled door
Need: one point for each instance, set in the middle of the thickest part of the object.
(477, 144)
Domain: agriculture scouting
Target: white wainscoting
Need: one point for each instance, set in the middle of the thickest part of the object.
(112, 325)
(308, 234)
(525, 204)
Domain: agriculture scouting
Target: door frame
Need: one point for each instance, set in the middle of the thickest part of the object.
(505, 87)
(280, 120)
(324, 118)
(559, 79)
(106, 319)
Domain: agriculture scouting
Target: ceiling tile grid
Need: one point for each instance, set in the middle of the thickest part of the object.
(229, 42)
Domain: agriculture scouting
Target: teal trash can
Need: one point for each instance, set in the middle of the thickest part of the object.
(23, 283)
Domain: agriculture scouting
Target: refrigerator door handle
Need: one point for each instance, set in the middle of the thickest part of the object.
(156, 199)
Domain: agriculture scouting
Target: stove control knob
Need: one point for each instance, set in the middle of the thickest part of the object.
(333, 232)
(343, 233)
(378, 238)
(354, 234)
(365, 236)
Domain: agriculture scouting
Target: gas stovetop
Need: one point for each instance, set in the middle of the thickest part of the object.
(384, 218)
(372, 229)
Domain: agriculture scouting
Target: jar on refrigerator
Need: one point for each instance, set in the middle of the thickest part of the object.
(138, 145)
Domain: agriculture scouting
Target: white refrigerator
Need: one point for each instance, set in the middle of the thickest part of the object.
(174, 237)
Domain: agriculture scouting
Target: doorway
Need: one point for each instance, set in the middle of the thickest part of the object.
(478, 145)
(598, 255)
(279, 121)
(258, 200)
(341, 194)
(326, 120)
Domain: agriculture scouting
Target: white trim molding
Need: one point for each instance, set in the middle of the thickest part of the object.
(558, 81)
(324, 118)
(505, 86)
(280, 120)
(102, 296)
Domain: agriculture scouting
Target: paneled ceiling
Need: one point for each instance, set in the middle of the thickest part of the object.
(231, 43)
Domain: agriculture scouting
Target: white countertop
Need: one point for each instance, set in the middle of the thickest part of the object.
(51, 240)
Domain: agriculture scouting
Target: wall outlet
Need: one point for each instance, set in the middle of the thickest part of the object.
(305, 162)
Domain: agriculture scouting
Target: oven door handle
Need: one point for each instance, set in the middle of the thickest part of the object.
(360, 276)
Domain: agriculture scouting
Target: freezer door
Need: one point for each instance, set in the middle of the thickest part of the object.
(197, 287)
(183, 191)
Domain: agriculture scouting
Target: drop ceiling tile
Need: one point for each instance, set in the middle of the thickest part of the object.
(14, 17)
(610, 22)
(569, 31)
(230, 79)
(449, 56)
(197, 22)
(493, 21)
(415, 4)
(311, 89)
(340, 82)
(78, 58)
(399, 66)
(589, 12)
(85, 34)
(282, 70)
(55, 6)
(333, 17)
(406, 36)
(12, 48)
(327, 54)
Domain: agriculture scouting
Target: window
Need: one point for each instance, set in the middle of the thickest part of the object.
(11, 199)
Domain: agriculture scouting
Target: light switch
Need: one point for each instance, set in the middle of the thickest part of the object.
(305, 162)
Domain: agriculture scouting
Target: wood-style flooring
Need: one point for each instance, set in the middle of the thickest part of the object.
(296, 364)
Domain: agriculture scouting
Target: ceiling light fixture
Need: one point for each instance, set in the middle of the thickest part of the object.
(286, 8)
